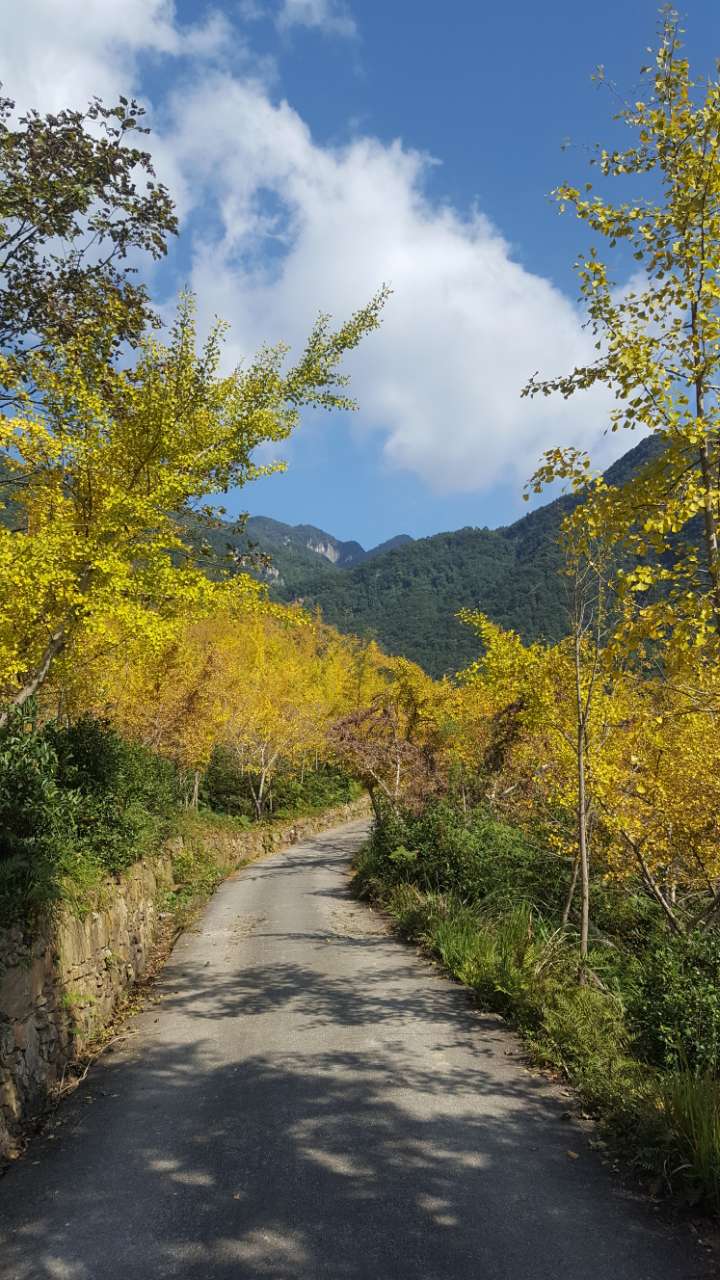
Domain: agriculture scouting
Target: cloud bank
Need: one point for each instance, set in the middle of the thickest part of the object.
(284, 227)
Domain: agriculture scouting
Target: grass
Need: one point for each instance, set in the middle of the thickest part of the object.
(692, 1104)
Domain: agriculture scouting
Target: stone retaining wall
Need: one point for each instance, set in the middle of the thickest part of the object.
(59, 988)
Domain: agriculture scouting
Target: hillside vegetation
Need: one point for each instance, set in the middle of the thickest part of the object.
(407, 597)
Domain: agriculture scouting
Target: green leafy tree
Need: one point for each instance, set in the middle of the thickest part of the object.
(78, 200)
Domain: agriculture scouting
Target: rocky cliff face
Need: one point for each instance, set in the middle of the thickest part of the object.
(273, 535)
(330, 550)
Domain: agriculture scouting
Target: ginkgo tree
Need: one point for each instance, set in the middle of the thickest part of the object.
(394, 739)
(539, 722)
(658, 345)
(260, 682)
(103, 466)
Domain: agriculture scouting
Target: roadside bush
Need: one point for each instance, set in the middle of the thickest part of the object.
(127, 794)
(676, 1008)
(95, 759)
(323, 788)
(640, 1039)
(75, 802)
(692, 1104)
(475, 856)
(225, 788)
(38, 821)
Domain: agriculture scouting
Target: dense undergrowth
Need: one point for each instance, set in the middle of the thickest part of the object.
(640, 1039)
(228, 789)
(79, 801)
(76, 802)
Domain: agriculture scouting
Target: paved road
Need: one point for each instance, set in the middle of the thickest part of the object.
(309, 1099)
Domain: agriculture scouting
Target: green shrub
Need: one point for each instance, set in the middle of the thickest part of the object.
(38, 821)
(196, 875)
(225, 788)
(127, 793)
(95, 759)
(474, 856)
(75, 802)
(639, 1039)
(692, 1103)
(323, 788)
(676, 1008)
(583, 1031)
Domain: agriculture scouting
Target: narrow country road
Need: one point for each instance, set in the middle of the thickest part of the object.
(309, 1098)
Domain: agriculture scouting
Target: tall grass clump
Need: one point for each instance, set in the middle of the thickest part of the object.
(692, 1104)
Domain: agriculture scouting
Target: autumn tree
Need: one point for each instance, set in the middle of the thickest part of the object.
(658, 343)
(105, 470)
(393, 742)
(598, 668)
(262, 682)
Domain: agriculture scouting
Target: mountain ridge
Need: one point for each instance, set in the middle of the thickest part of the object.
(406, 596)
(271, 532)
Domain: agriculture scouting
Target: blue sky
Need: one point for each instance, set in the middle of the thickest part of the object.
(317, 149)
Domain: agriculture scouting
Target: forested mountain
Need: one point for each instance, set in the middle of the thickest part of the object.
(407, 596)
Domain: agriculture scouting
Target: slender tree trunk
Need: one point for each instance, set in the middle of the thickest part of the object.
(53, 649)
(709, 513)
(584, 852)
(654, 888)
(260, 794)
(711, 536)
(375, 804)
(571, 890)
(195, 798)
(582, 825)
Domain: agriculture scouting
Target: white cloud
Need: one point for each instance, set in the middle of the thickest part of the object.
(330, 16)
(305, 227)
(60, 53)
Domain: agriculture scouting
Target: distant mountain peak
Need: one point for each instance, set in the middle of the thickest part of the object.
(307, 537)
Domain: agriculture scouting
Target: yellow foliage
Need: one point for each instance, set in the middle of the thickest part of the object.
(103, 468)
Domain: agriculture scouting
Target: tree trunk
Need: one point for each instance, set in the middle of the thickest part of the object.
(195, 798)
(711, 537)
(54, 647)
(375, 804)
(709, 514)
(260, 796)
(571, 891)
(654, 888)
(584, 852)
(582, 826)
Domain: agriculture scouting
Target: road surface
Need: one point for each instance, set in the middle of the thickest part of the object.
(308, 1098)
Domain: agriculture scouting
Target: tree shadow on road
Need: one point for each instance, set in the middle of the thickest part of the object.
(330, 1165)
(353, 1147)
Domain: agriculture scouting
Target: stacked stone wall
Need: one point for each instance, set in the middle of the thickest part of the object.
(61, 986)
